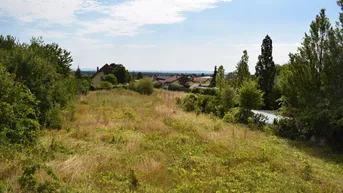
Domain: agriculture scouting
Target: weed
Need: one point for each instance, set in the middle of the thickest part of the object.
(28, 180)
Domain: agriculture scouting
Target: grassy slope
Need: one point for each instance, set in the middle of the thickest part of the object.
(115, 132)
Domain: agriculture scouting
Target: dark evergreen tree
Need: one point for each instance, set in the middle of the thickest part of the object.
(78, 72)
(265, 70)
(139, 76)
(184, 80)
(121, 73)
(214, 76)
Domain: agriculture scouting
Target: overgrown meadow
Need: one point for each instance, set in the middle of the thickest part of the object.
(121, 141)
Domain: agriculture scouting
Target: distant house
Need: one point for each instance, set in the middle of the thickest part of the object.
(100, 74)
(206, 80)
(159, 78)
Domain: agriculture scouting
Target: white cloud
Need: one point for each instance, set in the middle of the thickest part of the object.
(51, 11)
(126, 18)
(137, 46)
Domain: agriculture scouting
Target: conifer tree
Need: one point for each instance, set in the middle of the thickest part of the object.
(265, 70)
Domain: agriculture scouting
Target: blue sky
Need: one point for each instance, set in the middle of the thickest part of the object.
(164, 34)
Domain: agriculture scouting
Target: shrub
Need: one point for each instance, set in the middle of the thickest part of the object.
(111, 79)
(54, 118)
(205, 91)
(2, 187)
(230, 117)
(250, 97)
(157, 84)
(18, 110)
(209, 91)
(83, 86)
(228, 97)
(174, 87)
(188, 103)
(195, 90)
(28, 182)
(145, 86)
(105, 85)
(288, 128)
(259, 120)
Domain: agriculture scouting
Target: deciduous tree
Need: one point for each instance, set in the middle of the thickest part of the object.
(242, 67)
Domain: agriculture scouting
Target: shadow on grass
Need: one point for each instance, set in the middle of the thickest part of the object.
(315, 150)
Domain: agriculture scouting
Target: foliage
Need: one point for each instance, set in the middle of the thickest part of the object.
(157, 84)
(121, 73)
(83, 86)
(242, 67)
(220, 78)
(116, 131)
(28, 180)
(139, 76)
(43, 68)
(174, 87)
(105, 85)
(288, 128)
(78, 72)
(214, 78)
(111, 79)
(311, 83)
(145, 86)
(18, 112)
(250, 97)
(54, 118)
(265, 70)
(184, 80)
(188, 103)
(228, 97)
(205, 91)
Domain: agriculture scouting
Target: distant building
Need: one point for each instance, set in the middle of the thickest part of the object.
(100, 74)
(206, 80)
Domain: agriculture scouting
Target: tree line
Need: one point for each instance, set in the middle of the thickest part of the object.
(308, 89)
(36, 88)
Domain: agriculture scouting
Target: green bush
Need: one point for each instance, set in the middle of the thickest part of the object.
(83, 86)
(18, 112)
(54, 118)
(174, 87)
(157, 84)
(28, 180)
(204, 91)
(30, 73)
(188, 103)
(288, 128)
(230, 117)
(145, 86)
(259, 120)
(228, 97)
(250, 97)
(2, 187)
(105, 85)
(111, 79)
(209, 91)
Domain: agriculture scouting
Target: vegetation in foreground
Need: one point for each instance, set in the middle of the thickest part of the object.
(121, 141)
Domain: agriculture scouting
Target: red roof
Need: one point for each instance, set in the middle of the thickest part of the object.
(171, 79)
(105, 68)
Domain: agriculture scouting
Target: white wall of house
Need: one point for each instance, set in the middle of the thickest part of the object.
(96, 80)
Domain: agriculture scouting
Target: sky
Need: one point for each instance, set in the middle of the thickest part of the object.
(162, 35)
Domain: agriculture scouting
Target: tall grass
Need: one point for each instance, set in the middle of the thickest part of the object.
(121, 141)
